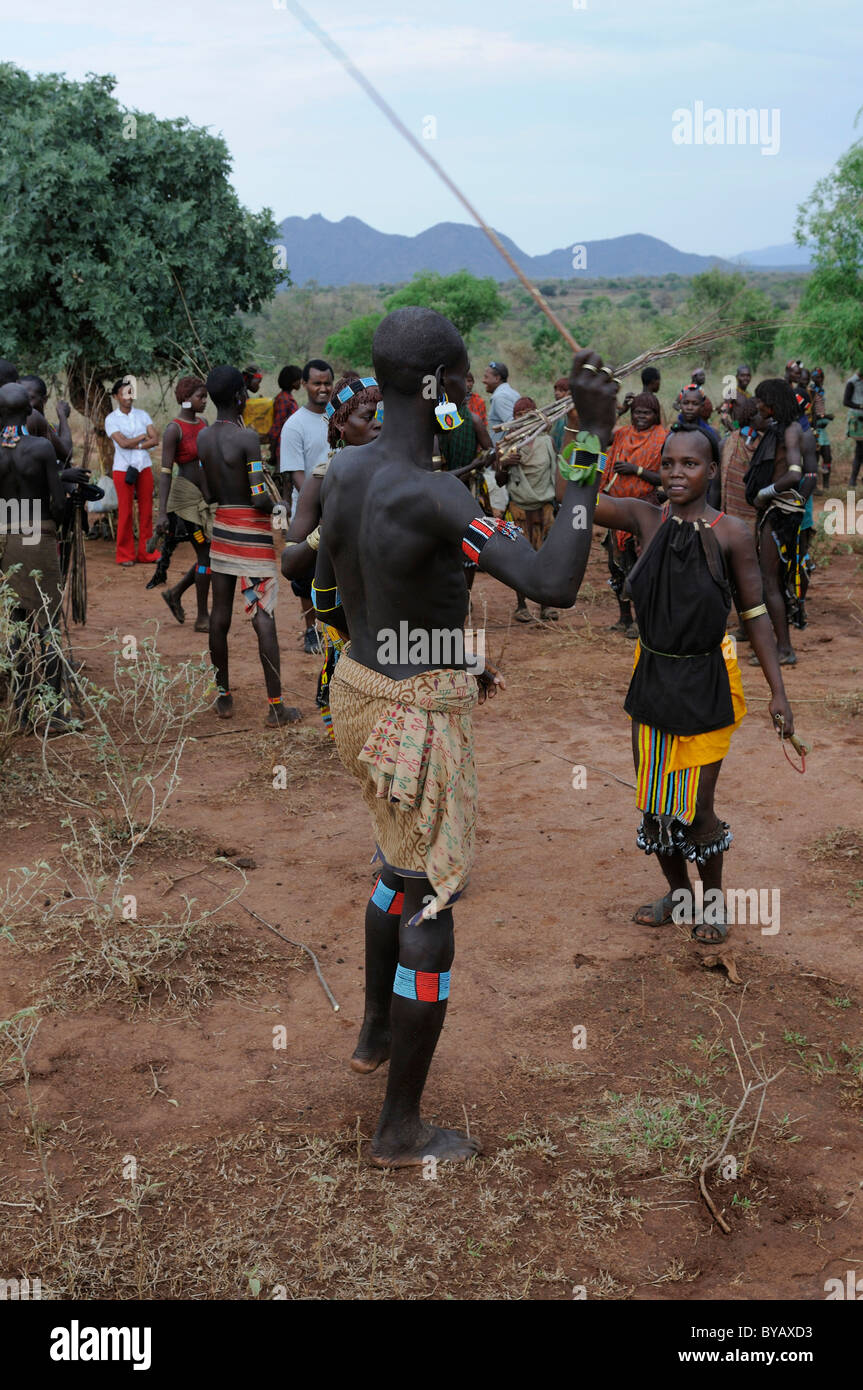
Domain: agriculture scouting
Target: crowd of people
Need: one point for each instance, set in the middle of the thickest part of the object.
(390, 498)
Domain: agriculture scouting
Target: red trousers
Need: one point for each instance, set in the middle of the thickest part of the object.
(126, 495)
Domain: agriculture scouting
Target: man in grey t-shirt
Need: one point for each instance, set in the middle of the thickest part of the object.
(303, 441)
(302, 445)
(503, 398)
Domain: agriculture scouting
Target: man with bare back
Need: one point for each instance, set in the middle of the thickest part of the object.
(32, 503)
(242, 545)
(390, 576)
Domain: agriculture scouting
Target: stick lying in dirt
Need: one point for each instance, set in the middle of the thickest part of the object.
(749, 1088)
(308, 950)
(604, 770)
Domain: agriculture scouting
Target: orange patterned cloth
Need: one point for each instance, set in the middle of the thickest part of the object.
(476, 403)
(644, 449)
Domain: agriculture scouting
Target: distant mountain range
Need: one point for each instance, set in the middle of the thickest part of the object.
(351, 252)
(789, 256)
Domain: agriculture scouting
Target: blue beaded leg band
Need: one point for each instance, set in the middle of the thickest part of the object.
(427, 986)
(388, 899)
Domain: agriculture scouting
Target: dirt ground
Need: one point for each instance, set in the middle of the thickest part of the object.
(162, 1146)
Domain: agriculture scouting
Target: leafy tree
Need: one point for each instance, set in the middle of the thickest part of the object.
(123, 246)
(545, 336)
(351, 346)
(728, 298)
(830, 319)
(462, 298)
(831, 220)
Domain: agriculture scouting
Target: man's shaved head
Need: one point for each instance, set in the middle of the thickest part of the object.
(8, 372)
(409, 346)
(224, 385)
(14, 400)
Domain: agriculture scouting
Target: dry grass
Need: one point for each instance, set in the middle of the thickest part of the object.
(313, 1221)
(286, 766)
(843, 845)
(264, 1208)
(168, 968)
(850, 703)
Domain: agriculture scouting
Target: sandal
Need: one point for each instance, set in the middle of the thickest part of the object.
(720, 928)
(656, 914)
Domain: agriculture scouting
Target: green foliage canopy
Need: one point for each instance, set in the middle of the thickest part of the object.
(109, 221)
(728, 298)
(831, 220)
(351, 346)
(463, 298)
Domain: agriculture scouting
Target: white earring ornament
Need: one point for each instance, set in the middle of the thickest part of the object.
(447, 415)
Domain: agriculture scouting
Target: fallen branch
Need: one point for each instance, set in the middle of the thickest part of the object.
(308, 950)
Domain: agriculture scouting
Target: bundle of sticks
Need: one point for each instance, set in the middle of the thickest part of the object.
(536, 422)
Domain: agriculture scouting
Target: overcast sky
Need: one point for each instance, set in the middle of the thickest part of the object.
(556, 120)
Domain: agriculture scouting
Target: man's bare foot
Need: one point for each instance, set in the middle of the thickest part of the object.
(224, 706)
(175, 605)
(202, 623)
(372, 1049)
(282, 714)
(394, 1150)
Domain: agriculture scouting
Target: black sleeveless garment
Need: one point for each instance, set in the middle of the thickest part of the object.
(682, 600)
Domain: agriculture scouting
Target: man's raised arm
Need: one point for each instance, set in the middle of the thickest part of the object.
(551, 576)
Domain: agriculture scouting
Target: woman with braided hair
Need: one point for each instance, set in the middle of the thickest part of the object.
(777, 489)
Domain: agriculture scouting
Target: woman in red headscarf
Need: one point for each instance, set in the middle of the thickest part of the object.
(632, 470)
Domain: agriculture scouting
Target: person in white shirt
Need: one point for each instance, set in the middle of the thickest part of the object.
(302, 445)
(133, 434)
(503, 398)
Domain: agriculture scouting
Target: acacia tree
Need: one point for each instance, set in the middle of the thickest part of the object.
(352, 344)
(464, 299)
(727, 296)
(123, 246)
(831, 220)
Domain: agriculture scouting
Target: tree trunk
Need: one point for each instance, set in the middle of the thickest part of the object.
(89, 397)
